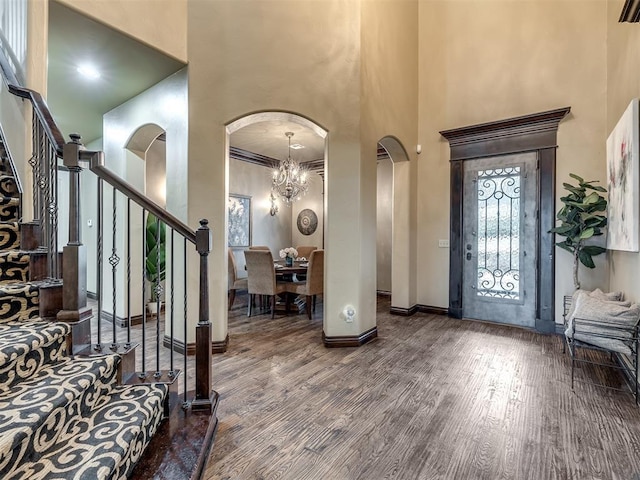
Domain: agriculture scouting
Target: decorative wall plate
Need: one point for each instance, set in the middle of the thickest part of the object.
(307, 221)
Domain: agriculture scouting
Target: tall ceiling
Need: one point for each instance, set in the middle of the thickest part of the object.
(129, 67)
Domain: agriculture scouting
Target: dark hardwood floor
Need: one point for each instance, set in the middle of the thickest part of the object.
(431, 398)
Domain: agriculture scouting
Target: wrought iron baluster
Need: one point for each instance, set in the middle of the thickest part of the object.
(100, 261)
(143, 371)
(53, 211)
(185, 403)
(158, 292)
(33, 161)
(128, 229)
(114, 260)
(171, 317)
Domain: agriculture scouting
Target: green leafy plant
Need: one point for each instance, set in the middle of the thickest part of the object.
(580, 220)
(155, 259)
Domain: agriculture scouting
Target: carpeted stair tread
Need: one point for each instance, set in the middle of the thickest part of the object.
(34, 412)
(9, 209)
(14, 266)
(26, 346)
(9, 236)
(19, 301)
(107, 443)
(8, 186)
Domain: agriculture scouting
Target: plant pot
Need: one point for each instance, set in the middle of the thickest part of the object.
(152, 308)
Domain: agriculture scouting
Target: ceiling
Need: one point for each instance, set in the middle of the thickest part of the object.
(268, 139)
(129, 67)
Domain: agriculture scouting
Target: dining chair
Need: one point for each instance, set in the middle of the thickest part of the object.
(305, 251)
(262, 278)
(259, 247)
(234, 282)
(315, 281)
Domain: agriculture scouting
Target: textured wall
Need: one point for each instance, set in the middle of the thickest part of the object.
(623, 84)
(496, 59)
(255, 181)
(159, 23)
(384, 224)
(314, 200)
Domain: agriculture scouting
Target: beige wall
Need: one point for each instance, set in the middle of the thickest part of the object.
(273, 231)
(623, 84)
(390, 109)
(313, 200)
(159, 23)
(304, 60)
(384, 224)
(495, 59)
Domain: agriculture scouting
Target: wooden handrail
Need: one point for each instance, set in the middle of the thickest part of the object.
(96, 165)
(40, 106)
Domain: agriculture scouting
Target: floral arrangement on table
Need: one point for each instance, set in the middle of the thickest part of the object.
(289, 254)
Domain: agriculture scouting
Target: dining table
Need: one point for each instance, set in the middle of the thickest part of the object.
(282, 269)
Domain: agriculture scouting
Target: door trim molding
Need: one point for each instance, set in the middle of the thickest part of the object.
(529, 133)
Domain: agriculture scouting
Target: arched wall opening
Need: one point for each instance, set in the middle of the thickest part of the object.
(145, 167)
(393, 217)
(254, 144)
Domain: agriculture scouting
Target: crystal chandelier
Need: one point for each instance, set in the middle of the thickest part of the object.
(289, 179)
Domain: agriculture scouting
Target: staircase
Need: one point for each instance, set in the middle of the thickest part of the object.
(61, 416)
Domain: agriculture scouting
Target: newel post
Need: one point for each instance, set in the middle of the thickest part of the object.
(204, 394)
(74, 256)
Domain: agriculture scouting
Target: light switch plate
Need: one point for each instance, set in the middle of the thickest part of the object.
(443, 243)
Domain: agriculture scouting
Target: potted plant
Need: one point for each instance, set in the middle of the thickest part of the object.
(581, 218)
(155, 259)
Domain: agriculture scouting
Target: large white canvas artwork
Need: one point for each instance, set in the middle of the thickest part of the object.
(623, 164)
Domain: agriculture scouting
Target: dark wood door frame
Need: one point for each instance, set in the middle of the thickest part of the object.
(530, 133)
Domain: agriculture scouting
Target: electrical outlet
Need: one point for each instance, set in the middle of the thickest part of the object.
(443, 243)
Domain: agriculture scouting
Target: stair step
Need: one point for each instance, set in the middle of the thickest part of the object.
(14, 266)
(34, 413)
(5, 162)
(146, 378)
(9, 209)
(9, 236)
(107, 443)
(26, 346)
(19, 301)
(8, 186)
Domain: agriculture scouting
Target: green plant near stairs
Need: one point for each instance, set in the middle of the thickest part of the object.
(61, 415)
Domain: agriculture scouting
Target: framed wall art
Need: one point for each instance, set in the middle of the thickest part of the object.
(623, 165)
(239, 233)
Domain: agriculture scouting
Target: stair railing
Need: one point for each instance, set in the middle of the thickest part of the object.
(48, 147)
(47, 143)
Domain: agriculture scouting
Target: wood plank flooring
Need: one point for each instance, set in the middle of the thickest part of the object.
(431, 398)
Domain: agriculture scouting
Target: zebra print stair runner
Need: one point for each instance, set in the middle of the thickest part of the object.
(61, 417)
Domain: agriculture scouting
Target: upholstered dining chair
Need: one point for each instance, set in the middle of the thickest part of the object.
(315, 281)
(262, 278)
(235, 283)
(259, 247)
(305, 251)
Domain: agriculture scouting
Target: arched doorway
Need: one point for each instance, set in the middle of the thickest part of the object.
(146, 160)
(393, 224)
(255, 144)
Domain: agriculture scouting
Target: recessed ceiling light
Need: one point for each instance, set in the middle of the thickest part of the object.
(88, 71)
(297, 146)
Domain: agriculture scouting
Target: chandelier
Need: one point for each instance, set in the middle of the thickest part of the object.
(289, 179)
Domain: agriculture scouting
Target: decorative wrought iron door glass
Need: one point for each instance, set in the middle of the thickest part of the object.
(500, 239)
(498, 236)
